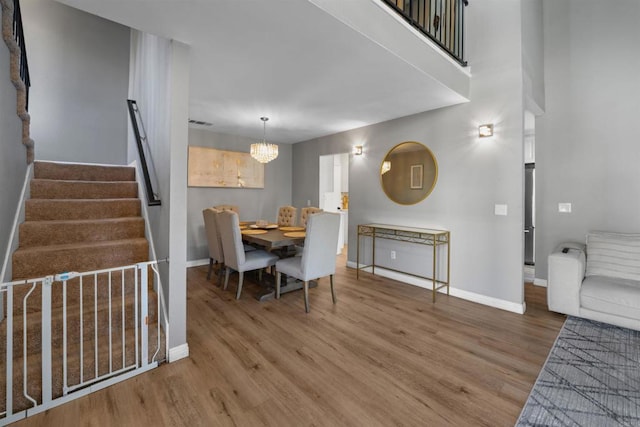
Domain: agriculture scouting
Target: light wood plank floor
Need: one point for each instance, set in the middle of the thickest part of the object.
(384, 355)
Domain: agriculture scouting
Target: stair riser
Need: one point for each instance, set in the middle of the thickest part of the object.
(27, 265)
(51, 189)
(51, 233)
(34, 329)
(50, 210)
(77, 192)
(64, 171)
(34, 367)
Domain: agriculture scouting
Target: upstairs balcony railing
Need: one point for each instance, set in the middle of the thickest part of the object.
(440, 20)
(18, 35)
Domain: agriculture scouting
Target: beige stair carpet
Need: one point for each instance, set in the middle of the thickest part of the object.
(79, 218)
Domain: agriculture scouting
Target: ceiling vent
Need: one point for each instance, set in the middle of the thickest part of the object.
(199, 122)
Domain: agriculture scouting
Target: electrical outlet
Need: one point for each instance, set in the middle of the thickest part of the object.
(393, 254)
(308, 202)
(500, 210)
(564, 207)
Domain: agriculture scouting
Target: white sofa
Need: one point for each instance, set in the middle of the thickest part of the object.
(599, 280)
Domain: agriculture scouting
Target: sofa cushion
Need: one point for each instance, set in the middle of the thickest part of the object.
(611, 295)
(613, 255)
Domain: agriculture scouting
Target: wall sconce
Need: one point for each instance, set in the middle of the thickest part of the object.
(357, 150)
(485, 130)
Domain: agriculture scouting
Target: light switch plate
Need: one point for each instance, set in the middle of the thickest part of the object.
(500, 210)
(564, 207)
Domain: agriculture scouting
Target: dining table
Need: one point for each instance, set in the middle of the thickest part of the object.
(281, 241)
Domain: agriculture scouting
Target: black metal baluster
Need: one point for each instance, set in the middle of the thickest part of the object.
(443, 24)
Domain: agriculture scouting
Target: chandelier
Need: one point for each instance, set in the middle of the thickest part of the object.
(263, 151)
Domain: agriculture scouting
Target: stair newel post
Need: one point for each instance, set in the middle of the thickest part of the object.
(46, 339)
(144, 313)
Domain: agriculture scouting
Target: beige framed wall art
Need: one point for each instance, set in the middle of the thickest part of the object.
(209, 167)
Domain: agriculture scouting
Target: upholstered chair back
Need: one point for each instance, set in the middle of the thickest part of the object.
(287, 216)
(305, 212)
(213, 236)
(232, 247)
(319, 254)
(232, 208)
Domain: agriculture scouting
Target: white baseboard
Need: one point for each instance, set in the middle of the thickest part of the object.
(540, 282)
(529, 273)
(198, 262)
(458, 293)
(179, 352)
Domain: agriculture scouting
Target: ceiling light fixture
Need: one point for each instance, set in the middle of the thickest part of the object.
(263, 151)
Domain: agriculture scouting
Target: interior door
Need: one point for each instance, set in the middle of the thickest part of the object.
(529, 213)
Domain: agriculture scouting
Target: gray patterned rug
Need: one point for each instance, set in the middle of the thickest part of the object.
(591, 378)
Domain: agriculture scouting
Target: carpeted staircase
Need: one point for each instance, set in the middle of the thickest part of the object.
(79, 218)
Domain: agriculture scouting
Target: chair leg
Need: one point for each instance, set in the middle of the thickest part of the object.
(240, 279)
(210, 268)
(306, 296)
(226, 278)
(333, 292)
(278, 279)
(221, 270)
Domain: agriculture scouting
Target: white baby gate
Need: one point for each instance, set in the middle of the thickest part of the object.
(97, 337)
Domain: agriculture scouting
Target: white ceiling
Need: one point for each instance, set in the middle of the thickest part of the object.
(310, 73)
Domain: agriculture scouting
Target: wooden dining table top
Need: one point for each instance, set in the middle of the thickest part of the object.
(272, 239)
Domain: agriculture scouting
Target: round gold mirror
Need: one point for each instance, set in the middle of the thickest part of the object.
(408, 173)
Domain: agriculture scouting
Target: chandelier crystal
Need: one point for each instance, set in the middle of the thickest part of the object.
(263, 151)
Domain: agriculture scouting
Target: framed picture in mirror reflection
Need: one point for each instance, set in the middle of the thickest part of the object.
(417, 172)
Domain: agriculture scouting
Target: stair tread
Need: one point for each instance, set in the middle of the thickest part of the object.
(57, 170)
(80, 181)
(68, 189)
(85, 220)
(101, 244)
(106, 199)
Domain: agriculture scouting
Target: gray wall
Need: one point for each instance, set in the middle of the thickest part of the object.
(587, 140)
(473, 174)
(159, 83)
(79, 66)
(13, 158)
(533, 55)
(253, 203)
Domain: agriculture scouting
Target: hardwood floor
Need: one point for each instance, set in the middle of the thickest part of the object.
(383, 355)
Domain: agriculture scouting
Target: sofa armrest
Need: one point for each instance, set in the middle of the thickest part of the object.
(566, 273)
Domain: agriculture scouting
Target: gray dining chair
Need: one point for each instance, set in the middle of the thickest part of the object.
(235, 258)
(214, 242)
(318, 255)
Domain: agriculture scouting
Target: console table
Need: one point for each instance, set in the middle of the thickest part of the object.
(420, 236)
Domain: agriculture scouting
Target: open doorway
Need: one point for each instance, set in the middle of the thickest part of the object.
(333, 191)
(529, 196)
(534, 296)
